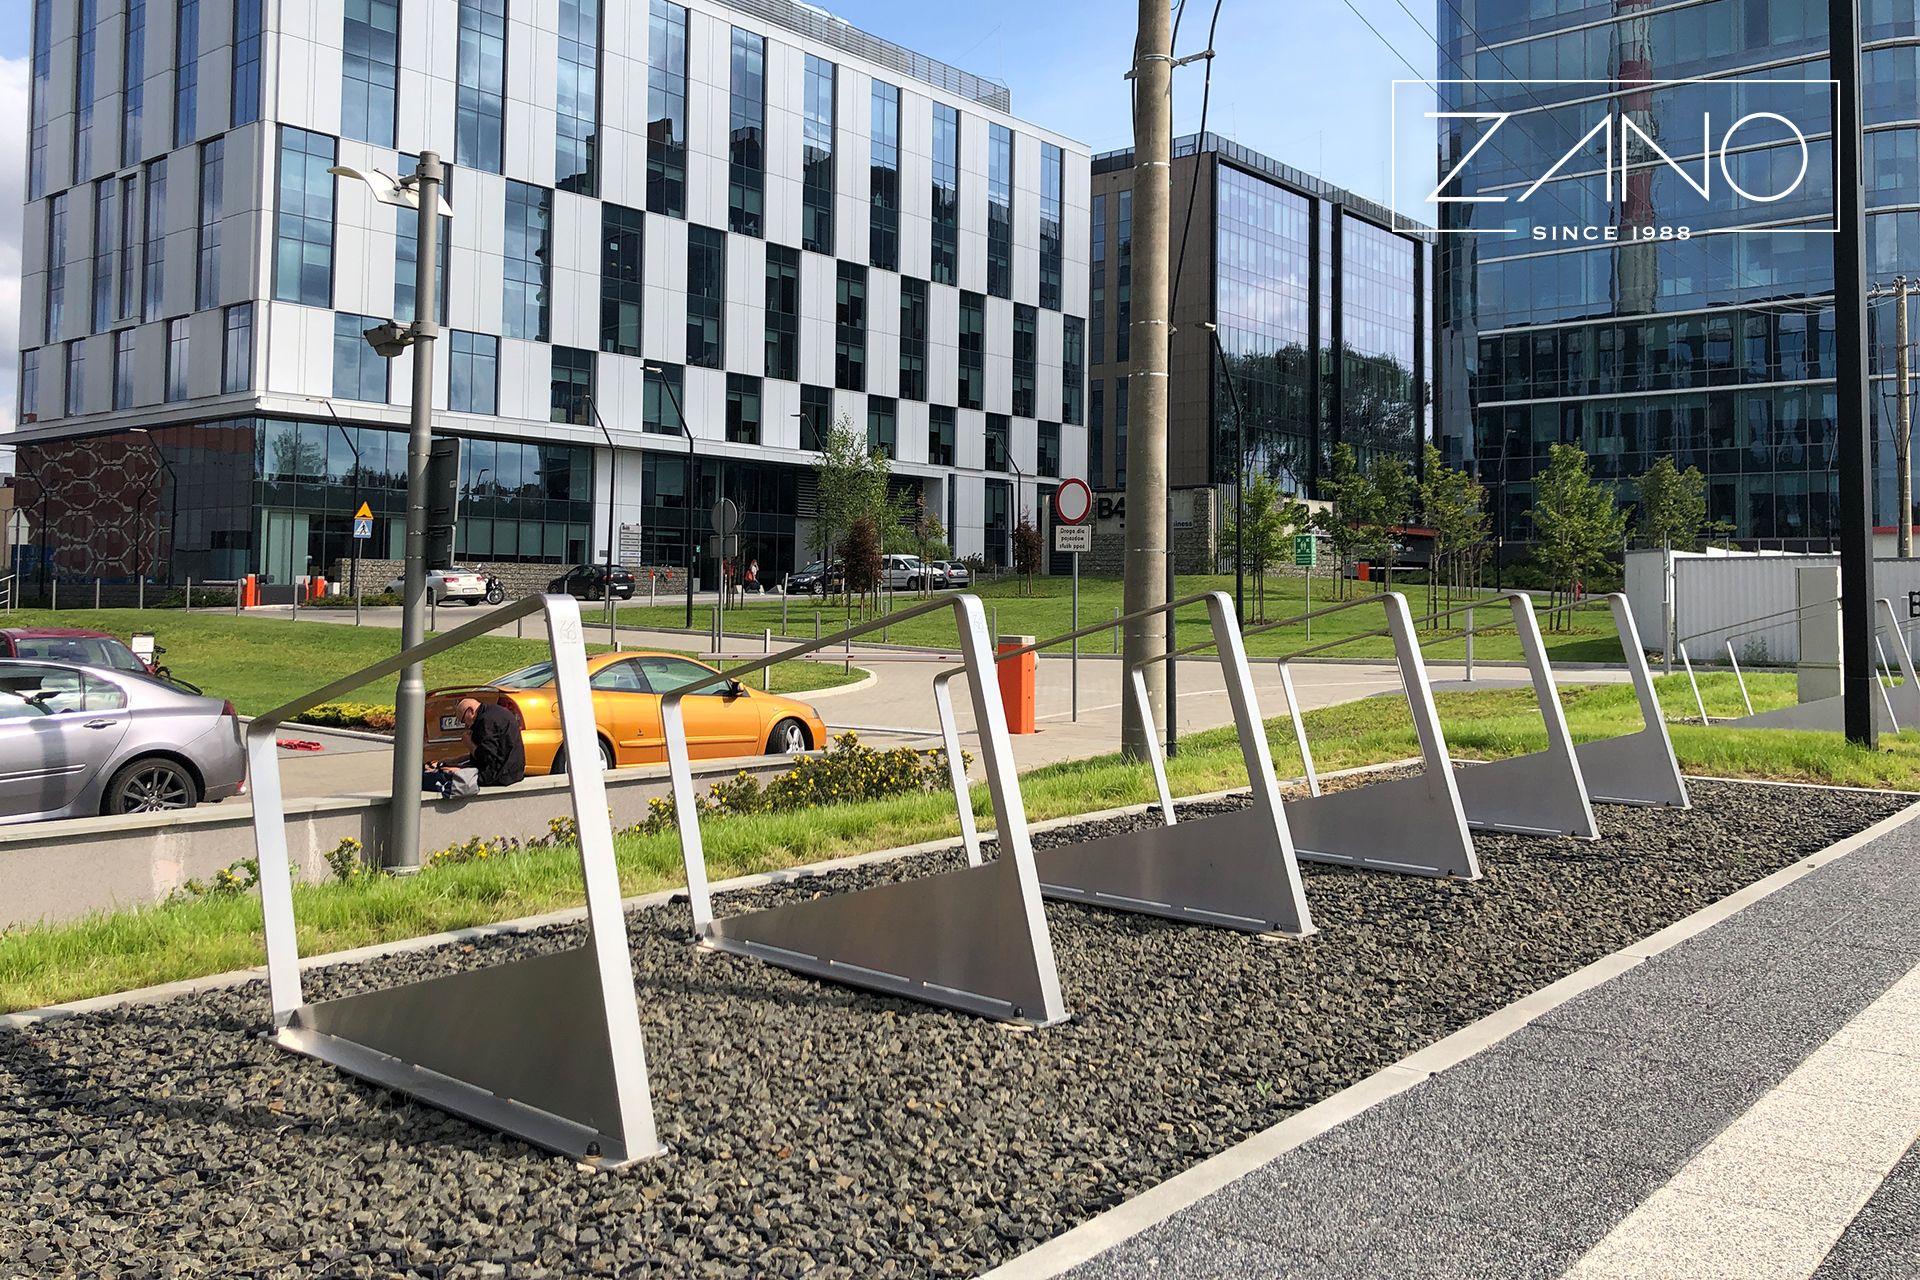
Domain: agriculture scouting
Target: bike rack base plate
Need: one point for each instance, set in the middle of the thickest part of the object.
(1524, 795)
(1410, 826)
(1827, 715)
(1636, 768)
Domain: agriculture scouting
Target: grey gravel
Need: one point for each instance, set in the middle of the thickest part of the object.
(813, 1130)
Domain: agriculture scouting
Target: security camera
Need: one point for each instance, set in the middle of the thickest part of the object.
(389, 339)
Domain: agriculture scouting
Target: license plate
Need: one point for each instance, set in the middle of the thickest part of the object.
(452, 724)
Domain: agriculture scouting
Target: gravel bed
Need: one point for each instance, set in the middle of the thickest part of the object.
(813, 1130)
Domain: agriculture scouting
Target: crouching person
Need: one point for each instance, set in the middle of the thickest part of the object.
(499, 758)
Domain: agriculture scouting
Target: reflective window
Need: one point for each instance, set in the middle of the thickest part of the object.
(706, 297)
(743, 409)
(153, 288)
(1073, 367)
(883, 425)
(572, 390)
(999, 211)
(369, 70)
(1262, 298)
(178, 353)
(248, 23)
(303, 236)
(85, 40)
(480, 97)
(186, 72)
(1097, 437)
(133, 84)
(474, 374)
(663, 400)
(1052, 233)
(946, 194)
(816, 158)
(783, 313)
(747, 124)
(850, 330)
(972, 390)
(206, 289)
(816, 415)
(130, 229)
(622, 278)
(28, 408)
(1097, 270)
(77, 377)
(40, 110)
(884, 186)
(999, 441)
(236, 364)
(940, 435)
(1026, 342)
(105, 226)
(56, 266)
(577, 97)
(1123, 278)
(1120, 386)
(529, 248)
(359, 372)
(667, 109)
(913, 339)
(1047, 458)
(123, 369)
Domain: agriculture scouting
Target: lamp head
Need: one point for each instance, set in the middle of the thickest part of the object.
(389, 339)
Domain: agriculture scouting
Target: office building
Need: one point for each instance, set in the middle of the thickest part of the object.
(1717, 348)
(793, 221)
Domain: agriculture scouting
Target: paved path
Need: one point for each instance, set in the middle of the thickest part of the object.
(1743, 1105)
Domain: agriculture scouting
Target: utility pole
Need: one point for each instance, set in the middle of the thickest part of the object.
(1859, 686)
(1147, 523)
(1903, 423)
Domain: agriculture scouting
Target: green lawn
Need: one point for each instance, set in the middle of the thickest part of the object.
(260, 663)
(43, 965)
(1048, 612)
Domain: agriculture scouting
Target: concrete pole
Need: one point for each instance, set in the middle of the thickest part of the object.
(410, 704)
(1903, 421)
(1147, 531)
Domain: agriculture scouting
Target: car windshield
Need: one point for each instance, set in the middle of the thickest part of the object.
(527, 677)
(92, 651)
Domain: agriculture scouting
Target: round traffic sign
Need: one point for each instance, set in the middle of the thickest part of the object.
(726, 517)
(1072, 501)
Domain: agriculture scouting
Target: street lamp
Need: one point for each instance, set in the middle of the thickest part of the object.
(686, 431)
(173, 494)
(613, 469)
(420, 192)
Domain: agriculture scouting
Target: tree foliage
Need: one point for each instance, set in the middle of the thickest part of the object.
(1028, 548)
(1671, 506)
(1272, 517)
(851, 480)
(1577, 523)
(1350, 506)
(1454, 505)
(1390, 506)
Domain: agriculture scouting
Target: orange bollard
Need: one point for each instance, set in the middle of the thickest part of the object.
(250, 591)
(1017, 679)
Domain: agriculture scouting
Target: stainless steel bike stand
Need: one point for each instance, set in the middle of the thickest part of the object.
(545, 1048)
(1898, 707)
(1639, 767)
(974, 939)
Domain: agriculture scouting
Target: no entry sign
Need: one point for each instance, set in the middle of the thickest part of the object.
(1072, 502)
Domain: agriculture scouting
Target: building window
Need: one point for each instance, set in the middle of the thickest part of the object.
(369, 70)
(913, 339)
(104, 227)
(816, 157)
(743, 409)
(999, 211)
(946, 194)
(206, 289)
(883, 425)
(480, 98)
(577, 97)
(973, 350)
(127, 284)
(236, 363)
(529, 250)
(56, 266)
(884, 189)
(123, 369)
(28, 409)
(406, 254)
(1073, 367)
(747, 122)
(359, 372)
(572, 391)
(303, 246)
(77, 377)
(85, 41)
(940, 436)
(1097, 437)
(178, 335)
(248, 23)
(622, 278)
(783, 312)
(999, 441)
(1047, 458)
(667, 110)
(1097, 271)
(1123, 284)
(39, 110)
(186, 73)
(850, 333)
(1120, 387)
(999, 523)
(133, 84)
(1026, 349)
(154, 286)
(816, 416)
(1052, 179)
(660, 405)
(706, 297)
(473, 376)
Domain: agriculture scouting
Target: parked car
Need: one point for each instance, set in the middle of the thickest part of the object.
(815, 580)
(78, 740)
(589, 582)
(952, 573)
(70, 644)
(902, 571)
(724, 718)
(448, 586)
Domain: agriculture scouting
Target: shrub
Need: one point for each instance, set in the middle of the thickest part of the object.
(849, 770)
(345, 601)
(351, 715)
(348, 866)
(230, 881)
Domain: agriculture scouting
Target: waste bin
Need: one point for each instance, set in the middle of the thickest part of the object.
(1017, 678)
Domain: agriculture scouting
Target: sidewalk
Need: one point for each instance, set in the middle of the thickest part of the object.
(1744, 1104)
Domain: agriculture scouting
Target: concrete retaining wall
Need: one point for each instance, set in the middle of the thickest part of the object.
(51, 871)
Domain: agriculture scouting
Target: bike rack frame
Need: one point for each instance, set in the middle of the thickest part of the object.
(1899, 703)
(1236, 870)
(974, 939)
(545, 1048)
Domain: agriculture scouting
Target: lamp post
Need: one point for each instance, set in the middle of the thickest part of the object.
(681, 418)
(613, 471)
(419, 191)
(173, 495)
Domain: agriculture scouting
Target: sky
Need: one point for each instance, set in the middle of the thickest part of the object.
(1304, 81)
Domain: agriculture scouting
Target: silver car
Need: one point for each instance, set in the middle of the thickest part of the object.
(76, 741)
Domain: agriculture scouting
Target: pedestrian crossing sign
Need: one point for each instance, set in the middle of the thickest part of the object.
(364, 513)
(363, 528)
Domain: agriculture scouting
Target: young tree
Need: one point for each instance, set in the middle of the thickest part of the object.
(1028, 548)
(1271, 518)
(860, 552)
(1577, 524)
(1671, 505)
(1351, 499)
(1390, 509)
(1453, 505)
(929, 542)
(851, 480)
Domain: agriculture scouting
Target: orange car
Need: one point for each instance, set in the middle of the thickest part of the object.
(723, 718)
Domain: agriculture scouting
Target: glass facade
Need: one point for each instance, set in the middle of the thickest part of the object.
(747, 124)
(86, 44)
(473, 381)
(480, 104)
(1714, 349)
(571, 393)
(667, 109)
(706, 297)
(622, 278)
(303, 229)
(369, 70)
(406, 249)
(913, 339)
(883, 425)
(154, 260)
(577, 98)
(186, 73)
(529, 251)
(946, 194)
(1263, 291)
(213, 164)
(1123, 275)
(39, 109)
(236, 358)
(1097, 287)
(1052, 230)
(105, 225)
(999, 211)
(133, 85)
(1073, 367)
(816, 157)
(850, 329)
(56, 309)
(783, 313)
(883, 191)
(249, 26)
(940, 435)
(743, 409)
(1026, 352)
(359, 372)
(972, 389)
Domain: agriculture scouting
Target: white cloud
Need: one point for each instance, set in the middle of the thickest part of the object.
(13, 170)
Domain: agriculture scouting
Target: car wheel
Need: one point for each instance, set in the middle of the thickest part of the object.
(789, 738)
(150, 786)
(560, 758)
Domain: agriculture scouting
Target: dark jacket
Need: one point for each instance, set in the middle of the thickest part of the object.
(497, 750)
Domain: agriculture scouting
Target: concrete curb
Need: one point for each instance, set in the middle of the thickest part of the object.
(1148, 1209)
(568, 915)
